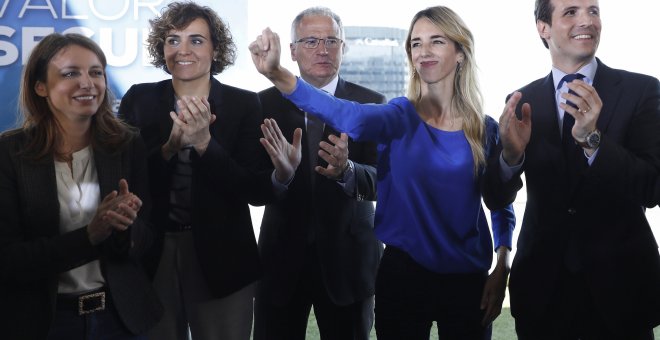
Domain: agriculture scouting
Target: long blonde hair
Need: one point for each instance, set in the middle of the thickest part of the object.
(467, 98)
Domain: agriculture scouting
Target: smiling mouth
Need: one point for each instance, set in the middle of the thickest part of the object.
(84, 98)
(184, 63)
(583, 37)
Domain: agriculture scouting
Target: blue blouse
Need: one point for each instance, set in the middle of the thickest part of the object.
(429, 201)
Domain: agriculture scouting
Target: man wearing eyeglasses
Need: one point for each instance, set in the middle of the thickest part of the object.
(317, 243)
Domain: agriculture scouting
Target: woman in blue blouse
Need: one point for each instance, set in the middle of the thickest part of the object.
(433, 146)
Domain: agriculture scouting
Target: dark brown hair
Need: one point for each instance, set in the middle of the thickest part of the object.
(177, 16)
(39, 123)
(543, 12)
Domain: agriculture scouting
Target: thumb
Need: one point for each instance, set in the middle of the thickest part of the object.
(297, 137)
(123, 187)
(526, 113)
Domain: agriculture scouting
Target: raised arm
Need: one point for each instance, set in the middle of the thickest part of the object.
(265, 51)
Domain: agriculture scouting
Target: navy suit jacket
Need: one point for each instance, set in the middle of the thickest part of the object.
(589, 216)
(33, 252)
(224, 179)
(341, 226)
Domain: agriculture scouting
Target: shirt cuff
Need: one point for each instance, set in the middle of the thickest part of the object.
(507, 170)
(590, 159)
(280, 188)
(347, 182)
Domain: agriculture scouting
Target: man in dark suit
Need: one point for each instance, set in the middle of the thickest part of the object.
(317, 243)
(587, 265)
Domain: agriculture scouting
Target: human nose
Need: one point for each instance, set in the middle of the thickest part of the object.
(184, 48)
(425, 49)
(585, 19)
(86, 82)
(322, 49)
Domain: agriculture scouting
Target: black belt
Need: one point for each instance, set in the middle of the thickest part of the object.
(176, 227)
(85, 303)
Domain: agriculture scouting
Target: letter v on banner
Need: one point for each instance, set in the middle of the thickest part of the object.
(3, 8)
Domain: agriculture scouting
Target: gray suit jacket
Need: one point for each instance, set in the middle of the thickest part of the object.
(33, 252)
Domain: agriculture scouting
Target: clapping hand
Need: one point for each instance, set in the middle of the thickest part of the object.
(284, 155)
(336, 155)
(117, 211)
(514, 132)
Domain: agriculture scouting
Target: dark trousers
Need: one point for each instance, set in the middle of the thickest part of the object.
(289, 321)
(100, 325)
(572, 315)
(410, 297)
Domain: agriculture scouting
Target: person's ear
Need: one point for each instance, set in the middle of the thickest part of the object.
(41, 89)
(543, 28)
(292, 47)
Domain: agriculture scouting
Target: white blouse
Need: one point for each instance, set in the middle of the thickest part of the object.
(79, 196)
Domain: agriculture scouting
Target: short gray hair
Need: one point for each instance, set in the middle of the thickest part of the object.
(316, 11)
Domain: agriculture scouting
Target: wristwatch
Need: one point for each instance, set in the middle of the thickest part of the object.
(348, 171)
(591, 140)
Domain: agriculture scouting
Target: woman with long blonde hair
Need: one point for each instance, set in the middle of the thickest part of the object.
(433, 147)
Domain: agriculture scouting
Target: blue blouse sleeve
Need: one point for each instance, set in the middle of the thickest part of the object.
(374, 122)
(503, 220)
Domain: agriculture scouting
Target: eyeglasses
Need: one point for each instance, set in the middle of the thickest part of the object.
(311, 42)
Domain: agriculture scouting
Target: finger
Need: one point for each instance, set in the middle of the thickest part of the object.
(188, 109)
(327, 147)
(175, 118)
(123, 187)
(127, 210)
(135, 202)
(327, 172)
(109, 197)
(335, 140)
(206, 104)
(527, 113)
(328, 157)
(117, 221)
(265, 40)
(512, 103)
(297, 138)
(198, 109)
(270, 149)
(276, 129)
(268, 132)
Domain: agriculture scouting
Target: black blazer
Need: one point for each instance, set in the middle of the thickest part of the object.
(33, 252)
(342, 226)
(222, 181)
(597, 221)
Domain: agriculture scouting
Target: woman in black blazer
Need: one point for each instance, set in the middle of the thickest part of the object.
(204, 168)
(71, 231)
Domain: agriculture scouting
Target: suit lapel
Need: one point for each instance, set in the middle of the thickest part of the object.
(40, 185)
(216, 98)
(109, 170)
(607, 82)
(164, 106)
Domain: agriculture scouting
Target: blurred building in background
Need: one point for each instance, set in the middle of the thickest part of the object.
(376, 59)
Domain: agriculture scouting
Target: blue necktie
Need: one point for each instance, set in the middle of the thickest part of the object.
(575, 162)
(568, 120)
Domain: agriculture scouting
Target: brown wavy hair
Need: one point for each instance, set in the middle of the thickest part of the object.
(39, 123)
(177, 16)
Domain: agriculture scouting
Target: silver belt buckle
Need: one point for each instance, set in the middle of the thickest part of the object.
(90, 303)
